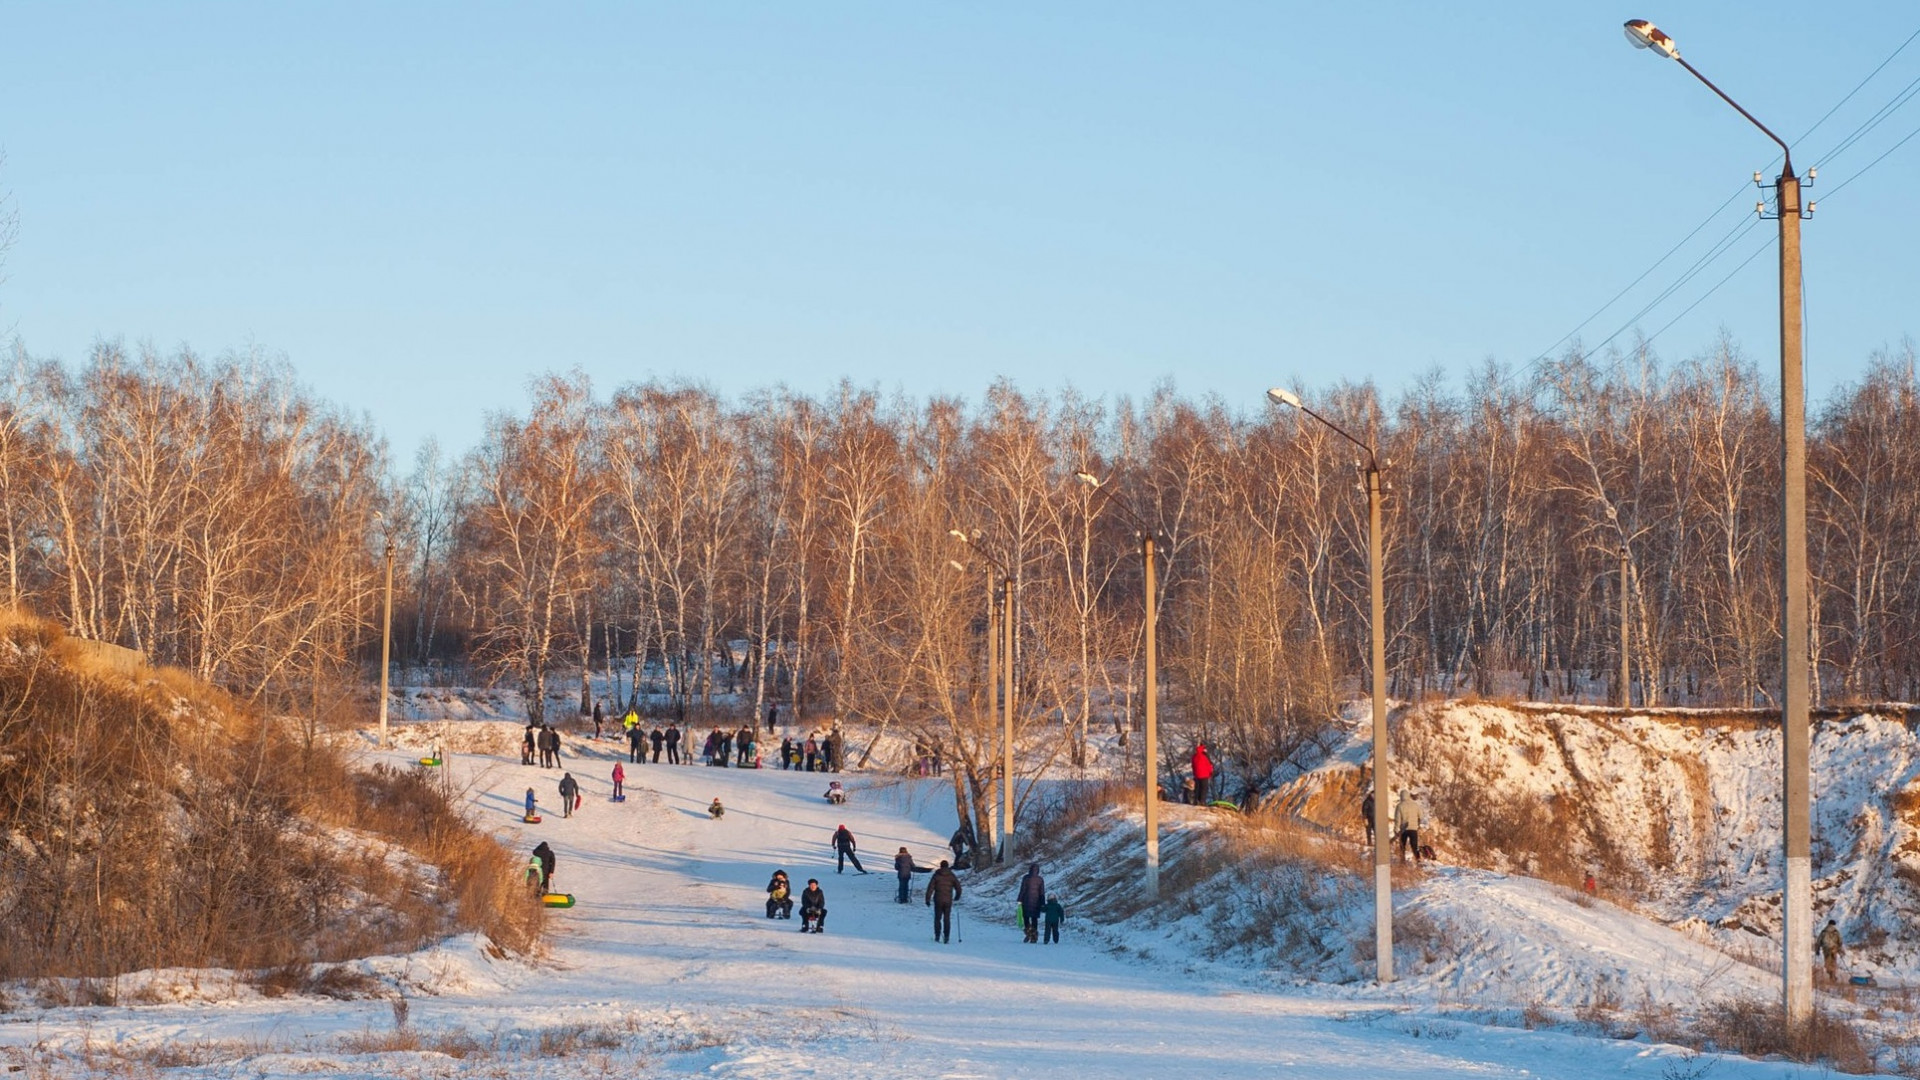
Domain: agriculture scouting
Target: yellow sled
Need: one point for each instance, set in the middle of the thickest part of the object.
(557, 899)
(431, 761)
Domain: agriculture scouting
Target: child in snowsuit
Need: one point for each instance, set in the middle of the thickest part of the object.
(1054, 915)
(779, 896)
(813, 908)
(619, 781)
(835, 793)
(714, 810)
(529, 814)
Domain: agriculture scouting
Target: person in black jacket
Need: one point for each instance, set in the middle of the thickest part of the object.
(813, 908)
(636, 745)
(844, 844)
(780, 896)
(673, 744)
(545, 854)
(786, 752)
(658, 738)
(1032, 896)
(569, 792)
(942, 890)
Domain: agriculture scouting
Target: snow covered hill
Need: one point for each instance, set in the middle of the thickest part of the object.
(667, 966)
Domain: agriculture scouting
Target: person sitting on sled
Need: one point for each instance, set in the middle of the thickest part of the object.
(813, 908)
(529, 813)
(835, 793)
(714, 809)
(779, 896)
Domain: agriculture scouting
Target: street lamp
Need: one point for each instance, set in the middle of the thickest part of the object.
(1152, 753)
(1382, 846)
(972, 542)
(1797, 903)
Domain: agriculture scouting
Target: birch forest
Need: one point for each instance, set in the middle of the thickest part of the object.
(728, 555)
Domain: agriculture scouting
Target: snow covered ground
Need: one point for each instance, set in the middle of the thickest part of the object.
(667, 967)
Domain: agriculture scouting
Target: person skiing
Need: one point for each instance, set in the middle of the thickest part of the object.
(658, 738)
(569, 794)
(843, 843)
(619, 782)
(813, 908)
(545, 854)
(1408, 819)
(903, 868)
(673, 744)
(1032, 895)
(714, 809)
(942, 890)
(1366, 815)
(1202, 773)
(779, 896)
(1055, 915)
(529, 814)
(1829, 947)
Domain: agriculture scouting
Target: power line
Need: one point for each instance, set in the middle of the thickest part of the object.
(1770, 241)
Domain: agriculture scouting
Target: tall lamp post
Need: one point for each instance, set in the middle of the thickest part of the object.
(1382, 791)
(972, 542)
(1152, 753)
(386, 644)
(1797, 903)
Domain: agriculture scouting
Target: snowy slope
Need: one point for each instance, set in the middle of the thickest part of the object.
(668, 968)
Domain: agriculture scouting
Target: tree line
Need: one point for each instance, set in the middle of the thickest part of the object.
(795, 549)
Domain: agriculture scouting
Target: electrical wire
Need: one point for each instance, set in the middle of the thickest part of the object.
(1770, 241)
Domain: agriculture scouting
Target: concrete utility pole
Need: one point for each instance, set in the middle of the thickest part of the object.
(386, 644)
(1796, 935)
(1152, 752)
(1382, 789)
(1009, 613)
(1626, 675)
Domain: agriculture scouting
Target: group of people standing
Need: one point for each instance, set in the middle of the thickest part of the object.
(541, 740)
(1408, 817)
(731, 747)
(815, 753)
(639, 738)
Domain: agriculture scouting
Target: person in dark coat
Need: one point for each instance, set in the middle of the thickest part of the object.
(813, 908)
(779, 896)
(844, 844)
(597, 719)
(743, 747)
(1366, 814)
(569, 794)
(658, 738)
(773, 717)
(813, 753)
(1032, 895)
(1055, 915)
(545, 854)
(942, 890)
(636, 745)
(786, 752)
(526, 747)
(961, 841)
(673, 745)
(903, 868)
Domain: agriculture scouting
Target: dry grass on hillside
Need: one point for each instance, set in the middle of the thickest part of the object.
(154, 823)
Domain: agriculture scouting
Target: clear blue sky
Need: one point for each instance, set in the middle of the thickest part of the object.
(422, 206)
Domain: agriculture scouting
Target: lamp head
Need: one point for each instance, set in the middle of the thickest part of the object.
(955, 563)
(957, 535)
(1645, 35)
(1282, 396)
(1088, 479)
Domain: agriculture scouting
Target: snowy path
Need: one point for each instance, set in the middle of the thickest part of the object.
(668, 947)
